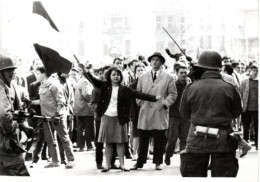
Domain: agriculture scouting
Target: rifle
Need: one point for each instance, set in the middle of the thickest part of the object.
(20, 115)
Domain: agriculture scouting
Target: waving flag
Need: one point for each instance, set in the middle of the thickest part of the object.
(53, 52)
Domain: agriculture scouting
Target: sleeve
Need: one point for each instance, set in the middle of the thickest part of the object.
(184, 108)
(84, 91)
(142, 96)
(6, 122)
(171, 93)
(57, 92)
(94, 99)
(236, 104)
(96, 82)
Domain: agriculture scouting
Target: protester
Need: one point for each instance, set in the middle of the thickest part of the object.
(84, 114)
(178, 126)
(153, 117)
(114, 108)
(249, 95)
(52, 102)
(134, 112)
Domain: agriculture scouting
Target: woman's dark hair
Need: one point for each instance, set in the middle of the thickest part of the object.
(108, 73)
(139, 65)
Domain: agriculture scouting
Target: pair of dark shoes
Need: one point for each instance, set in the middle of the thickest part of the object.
(122, 169)
(136, 166)
(167, 161)
(113, 166)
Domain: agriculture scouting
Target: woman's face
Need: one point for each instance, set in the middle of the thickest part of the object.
(115, 77)
(139, 71)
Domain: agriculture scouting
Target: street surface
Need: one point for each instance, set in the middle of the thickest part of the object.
(86, 169)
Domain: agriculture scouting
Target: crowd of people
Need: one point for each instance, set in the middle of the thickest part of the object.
(138, 110)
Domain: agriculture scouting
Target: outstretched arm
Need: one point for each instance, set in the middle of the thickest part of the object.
(95, 82)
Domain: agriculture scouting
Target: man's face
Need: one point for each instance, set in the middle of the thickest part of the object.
(37, 64)
(254, 73)
(182, 74)
(238, 68)
(9, 74)
(132, 67)
(74, 75)
(182, 58)
(156, 62)
(118, 63)
(39, 76)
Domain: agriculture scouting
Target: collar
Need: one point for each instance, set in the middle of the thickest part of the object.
(157, 72)
(180, 83)
(131, 73)
(211, 74)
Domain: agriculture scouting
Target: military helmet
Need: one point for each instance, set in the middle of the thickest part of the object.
(6, 63)
(210, 60)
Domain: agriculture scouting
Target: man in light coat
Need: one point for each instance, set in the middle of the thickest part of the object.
(154, 117)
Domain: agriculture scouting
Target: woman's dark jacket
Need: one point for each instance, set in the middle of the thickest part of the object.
(134, 111)
(125, 96)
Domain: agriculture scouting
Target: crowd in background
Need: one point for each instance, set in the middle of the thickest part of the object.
(84, 92)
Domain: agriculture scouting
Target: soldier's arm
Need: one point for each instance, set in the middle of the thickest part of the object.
(6, 120)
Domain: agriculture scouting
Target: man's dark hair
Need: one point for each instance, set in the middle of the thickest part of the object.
(132, 62)
(229, 69)
(235, 64)
(225, 57)
(108, 74)
(117, 59)
(105, 68)
(41, 69)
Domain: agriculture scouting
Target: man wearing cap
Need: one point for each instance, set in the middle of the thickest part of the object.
(249, 95)
(11, 159)
(153, 117)
(210, 104)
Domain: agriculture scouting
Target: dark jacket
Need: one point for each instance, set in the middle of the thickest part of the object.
(174, 108)
(125, 95)
(134, 111)
(34, 95)
(210, 102)
(30, 79)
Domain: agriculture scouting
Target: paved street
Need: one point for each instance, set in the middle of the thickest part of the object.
(86, 167)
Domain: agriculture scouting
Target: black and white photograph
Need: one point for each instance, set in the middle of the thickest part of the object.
(129, 90)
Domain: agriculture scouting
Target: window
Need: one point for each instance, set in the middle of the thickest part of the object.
(127, 47)
(160, 46)
(81, 48)
(105, 48)
(159, 22)
(117, 22)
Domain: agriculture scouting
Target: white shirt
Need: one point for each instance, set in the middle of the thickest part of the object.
(112, 107)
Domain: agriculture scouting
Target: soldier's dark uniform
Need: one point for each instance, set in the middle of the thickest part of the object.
(210, 102)
(11, 159)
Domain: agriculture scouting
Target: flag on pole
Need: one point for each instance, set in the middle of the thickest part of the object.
(48, 44)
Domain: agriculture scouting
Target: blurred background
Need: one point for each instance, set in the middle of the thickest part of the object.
(97, 31)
